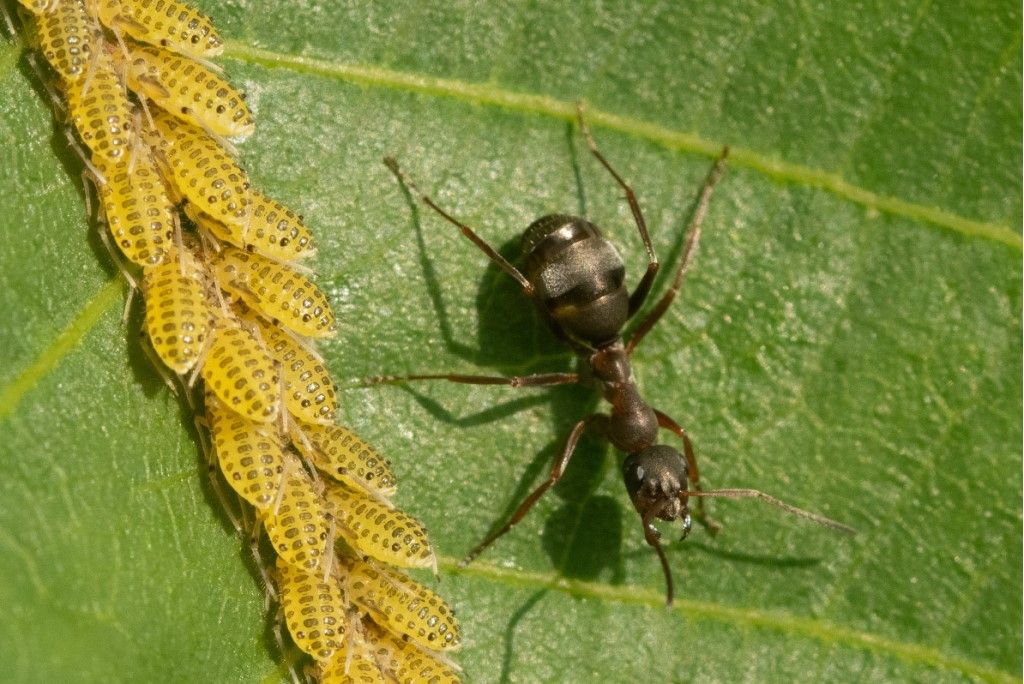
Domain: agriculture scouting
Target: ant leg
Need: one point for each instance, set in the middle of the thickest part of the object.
(536, 380)
(693, 474)
(499, 260)
(689, 249)
(639, 295)
(524, 507)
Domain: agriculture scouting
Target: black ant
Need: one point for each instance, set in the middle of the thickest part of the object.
(576, 277)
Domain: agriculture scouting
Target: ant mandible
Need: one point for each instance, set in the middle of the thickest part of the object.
(575, 276)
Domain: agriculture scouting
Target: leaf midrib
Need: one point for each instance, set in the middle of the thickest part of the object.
(780, 171)
(827, 632)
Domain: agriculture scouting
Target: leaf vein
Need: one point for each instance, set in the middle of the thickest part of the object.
(777, 170)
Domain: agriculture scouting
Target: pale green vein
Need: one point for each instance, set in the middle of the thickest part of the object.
(11, 395)
(488, 94)
(820, 630)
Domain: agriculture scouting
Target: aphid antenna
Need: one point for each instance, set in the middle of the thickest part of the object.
(389, 579)
(767, 498)
(308, 346)
(212, 66)
(143, 102)
(297, 267)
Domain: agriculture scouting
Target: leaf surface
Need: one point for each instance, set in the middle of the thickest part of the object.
(848, 340)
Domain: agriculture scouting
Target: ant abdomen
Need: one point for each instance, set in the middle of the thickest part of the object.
(577, 276)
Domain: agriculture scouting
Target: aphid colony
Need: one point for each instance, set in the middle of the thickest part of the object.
(226, 303)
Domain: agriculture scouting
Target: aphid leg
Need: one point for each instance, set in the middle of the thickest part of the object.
(8, 21)
(557, 470)
(285, 472)
(537, 380)
(767, 498)
(91, 71)
(147, 348)
(200, 361)
(639, 295)
(84, 156)
(332, 533)
(58, 103)
(115, 255)
(653, 538)
(209, 453)
(689, 249)
(499, 260)
(692, 472)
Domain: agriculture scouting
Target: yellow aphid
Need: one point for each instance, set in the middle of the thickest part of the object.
(340, 453)
(297, 522)
(179, 319)
(202, 171)
(309, 392)
(38, 6)
(377, 530)
(189, 91)
(407, 663)
(314, 610)
(402, 605)
(167, 23)
(276, 291)
(68, 38)
(274, 230)
(138, 211)
(241, 373)
(353, 663)
(250, 454)
(101, 112)
(278, 232)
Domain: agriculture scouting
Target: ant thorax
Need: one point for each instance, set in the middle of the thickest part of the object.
(577, 278)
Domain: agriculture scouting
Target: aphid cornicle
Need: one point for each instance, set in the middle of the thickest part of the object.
(378, 530)
(400, 604)
(166, 23)
(188, 90)
(276, 291)
(575, 276)
(342, 454)
(202, 171)
(138, 211)
(179, 318)
(68, 37)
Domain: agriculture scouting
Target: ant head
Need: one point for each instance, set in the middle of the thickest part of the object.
(578, 277)
(656, 479)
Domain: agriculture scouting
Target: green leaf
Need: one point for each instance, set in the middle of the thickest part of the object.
(848, 340)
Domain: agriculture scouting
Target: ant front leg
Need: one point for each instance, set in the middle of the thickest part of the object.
(692, 473)
(468, 232)
(639, 295)
(557, 470)
(689, 249)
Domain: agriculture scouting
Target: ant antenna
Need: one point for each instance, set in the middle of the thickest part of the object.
(756, 494)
